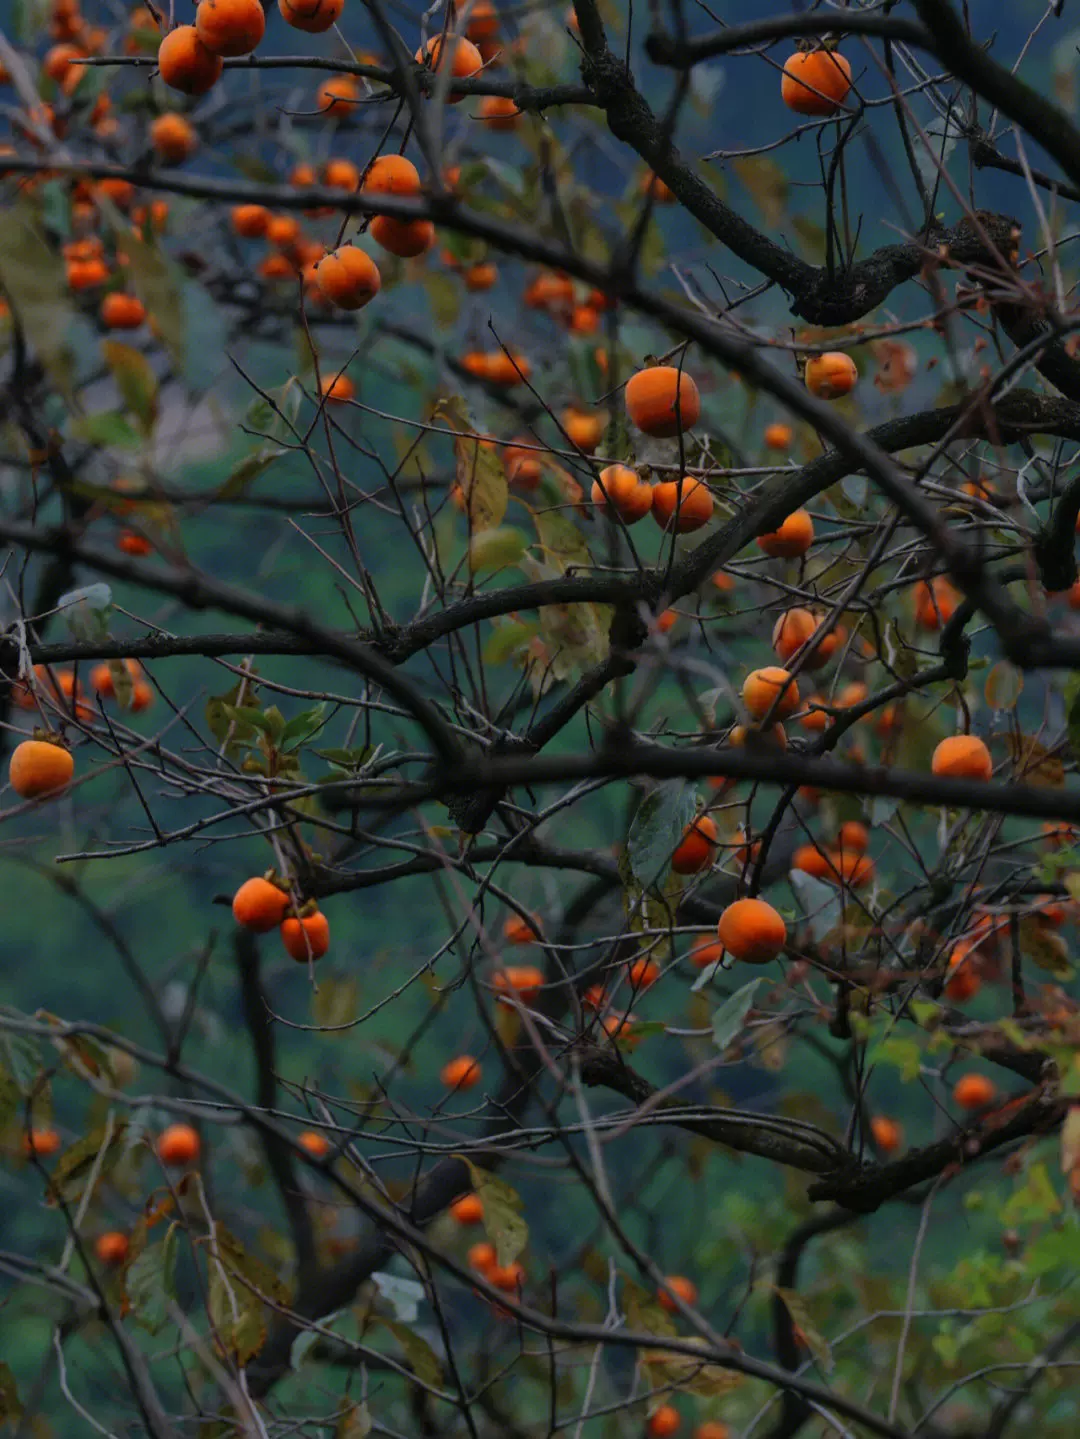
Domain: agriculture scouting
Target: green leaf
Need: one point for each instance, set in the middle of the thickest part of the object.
(496, 549)
(1045, 947)
(135, 380)
(23, 1056)
(563, 544)
(77, 1161)
(349, 760)
(691, 1376)
(905, 1054)
(821, 903)
(444, 296)
(728, 1019)
(243, 474)
(1035, 1201)
(9, 1098)
(355, 1423)
(662, 818)
(237, 1280)
(10, 1409)
(417, 1351)
(86, 611)
(1072, 712)
(815, 1340)
(220, 717)
(403, 1295)
(158, 285)
(1054, 1249)
(33, 275)
(644, 1313)
(503, 1221)
(301, 728)
(150, 1280)
(249, 717)
(506, 639)
(107, 427)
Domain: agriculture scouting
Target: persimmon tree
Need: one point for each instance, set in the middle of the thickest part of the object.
(539, 849)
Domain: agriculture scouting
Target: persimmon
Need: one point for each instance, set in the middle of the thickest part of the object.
(888, 1135)
(102, 682)
(520, 931)
(86, 274)
(974, 1091)
(852, 870)
(663, 1422)
(250, 221)
(935, 603)
(173, 138)
(111, 1247)
(683, 505)
(41, 1142)
(655, 189)
(130, 542)
(770, 690)
(476, 363)
(40, 767)
(679, 1285)
(712, 1429)
(815, 82)
(705, 951)
(584, 320)
(499, 112)
(465, 59)
(642, 974)
(282, 231)
(463, 1072)
(524, 980)
(792, 630)
(120, 192)
(185, 62)
(666, 621)
(314, 1142)
(809, 859)
(774, 737)
(483, 22)
(584, 429)
(508, 1277)
(831, 376)
(311, 16)
(752, 931)
(963, 982)
(337, 389)
(404, 238)
(259, 905)
(507, 370)
(662, 400)
(341, 174)
(348, 277)
(479, 278)
(694, 852)
(962, 756)
(391, 175)
(522, 466)
(482, 1257)
(623, 488)
(792, 539)
(338, 95)
(122, 312)
(620, 1029)
(469, 1209)
(550, 291)
(853, 837)
(306, 936)
(58, 65)
(230, 27)
(778, 437)
(178, 1144)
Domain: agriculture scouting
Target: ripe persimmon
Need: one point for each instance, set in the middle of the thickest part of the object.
(656, 189)
(765, 688)
(520, 931)
(259, 905)
(41, 1142)
(314, 1142)
(311, 16)
(508, 1277)
(642, 974)
(178, 1144)
(524, 980)
(479, 278)
(469, 1209)
(778, 437)
(122, 312)
(130, 542)
(815, 82)
(962, 756)
(663, 1422)
(111, 1247)
(465, 59)
(341, 174)
(792, 539)
(853, 837)
(282, 231)
(712, 1429)
(482, 1257)
(705, 951)
(101, 678)
(499, 112)
(683, 505)
(752, 931)
(404, 238)
(348, 277)
(974, 1091)
(831, 376)
(40, 767)
(814, 861)
(623, 488)
(185, 62)
(584, 320)
(584, 429)
(339, 95)
(337, 389)
(522, 466)
(173, 138)
(391, 175)
(463, 1072)
(86, 274)
(694, 852)
(250, 221)
(507, 370)
(888, 1135)
(550, 291)
(791, 631)
(677, 1284)
(852, 870)
(662, 400)
(306, 936)
(230, 27)
(935, 603)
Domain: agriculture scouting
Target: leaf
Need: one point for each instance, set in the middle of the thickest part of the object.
(1044, 947)
(150, 1280)
(1003, 686)
(9, 1098)
(107, 427)
(157, 283)
(244, 473)
(220, 719)
(306, 1340)
(903, 1053)
(496, 549)
(335, 1002)
(135, 380)
(821, 903)
(404, 1295)
(479, 471)
(1072, 712)
(237, 1282)
(23, 1055)
(800, 1315)
(77, 1161)
(728, 1019)
(1070, 1140)
(882, 809)
(767, 184)
(86, 611)
(644, 1313)
(301, 728)
(503, 1221)
(505, 640)
(662, 818)
(420, 1355)
(1034, 1202)
(444, 294)
(1034, 762)
(10, 1409)
(33, 275)
(692, 1376)
(561, 541)
(355, 1423)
